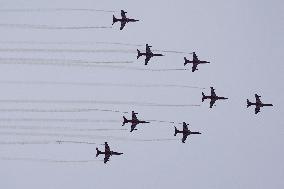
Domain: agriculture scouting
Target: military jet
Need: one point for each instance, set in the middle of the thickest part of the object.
(149, 54)
(213, 97)
(134, 121)
(123, 20)
(107, 152)
(185, 132)
(258, 104)
(195, 61)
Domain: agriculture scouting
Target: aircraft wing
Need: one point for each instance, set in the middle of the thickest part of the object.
(213, 92)
(106, 159)
(194, 67)
(195, 58)
(134, 117)
(122, 25)
(123, 14)
(133, 126)
(147, 59)
(107, 149)
(148, 50)
(257, 109)
(185, 128)
(257, 98)
(212, 102)
(184, 138)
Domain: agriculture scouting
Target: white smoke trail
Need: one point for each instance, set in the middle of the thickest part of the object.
(47, 27)
(100, 84)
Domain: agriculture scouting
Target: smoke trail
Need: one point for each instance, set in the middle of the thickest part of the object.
(99, 84)
(99, 102)
(93, 137)
(56, 10)
(45, 160)
(162, 121)
(74, 142)
(67, 50)
(58, 61)
(24, 127)
(70, 43)
(56, 120)
(36, 110)
(24, 142)
(47, 27)
(55, 62)
(169, 51)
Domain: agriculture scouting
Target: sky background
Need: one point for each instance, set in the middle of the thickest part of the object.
(243, 40)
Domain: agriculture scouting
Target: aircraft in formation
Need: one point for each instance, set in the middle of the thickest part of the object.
(195, 61)
(149, 54)
(107, 152)
(185, 131)
(213, 97)
(258, 104)
(134, 121)
(123, 20)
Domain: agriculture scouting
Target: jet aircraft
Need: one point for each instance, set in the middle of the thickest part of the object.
(258, 104)
(123, 20)
(107, 152)
(195, 61)
(213, 97)
(185, 132)
(134, 121)
(149, 54)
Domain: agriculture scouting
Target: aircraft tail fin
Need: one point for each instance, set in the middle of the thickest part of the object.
(124, 121)
(176, 131)
(248, 103)
(98, 152)
(185, 61)
(138, 53)
(203, 96)
(114, 20)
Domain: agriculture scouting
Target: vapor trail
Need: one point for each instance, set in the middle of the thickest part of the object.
(37, 110)
(58, 62)
(56, 120)
(99, 84)
(69, 128)
(47, 27)
(56, 10)
(67, 50)
(45, 160)
(98, 102)
(87, 136)
(69, 43)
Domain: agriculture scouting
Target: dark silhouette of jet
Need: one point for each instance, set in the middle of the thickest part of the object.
(107, 152)
(149, 54)
(134, 121)
(195, 61)
(213, 97)
(258, 104)
(123, 20)
(185, 132)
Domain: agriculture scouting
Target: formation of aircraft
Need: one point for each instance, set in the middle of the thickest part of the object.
(213, 97)
(258, 104)
(134, 121)
(107, 152)
(195, 61)
(149, 54)
(123, 20)
(185, 132)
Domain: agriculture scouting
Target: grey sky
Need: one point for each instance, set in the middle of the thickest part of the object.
(237, 149)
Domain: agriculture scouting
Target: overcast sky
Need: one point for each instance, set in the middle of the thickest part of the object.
(243, 40)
